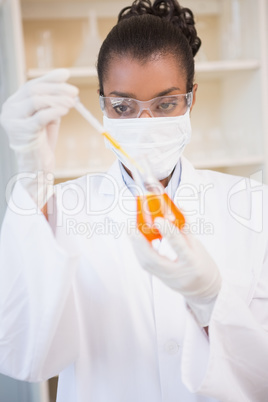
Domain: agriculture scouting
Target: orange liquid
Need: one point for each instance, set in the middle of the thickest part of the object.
(151, 206)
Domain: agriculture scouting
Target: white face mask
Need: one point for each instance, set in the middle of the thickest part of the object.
(161, 139)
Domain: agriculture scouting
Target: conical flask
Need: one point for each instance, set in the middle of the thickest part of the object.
(152, 202)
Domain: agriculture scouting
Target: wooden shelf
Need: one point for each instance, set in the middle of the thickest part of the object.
(41, 9)
(227, 162)
(201, 164)
(222, 66)
(88, 75)
(70, 173)
(79, 75)
(51, 10)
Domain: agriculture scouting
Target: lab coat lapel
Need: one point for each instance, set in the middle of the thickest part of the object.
(187, 195)
(204, 209)
(197, 199)
(190, 199)
(112, 186)
(115, 174)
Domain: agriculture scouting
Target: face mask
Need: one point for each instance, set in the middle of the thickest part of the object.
(161, 139)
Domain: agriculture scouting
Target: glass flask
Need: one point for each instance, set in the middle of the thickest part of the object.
(152, 202)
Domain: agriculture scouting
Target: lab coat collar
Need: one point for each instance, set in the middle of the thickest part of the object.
(190, 193)
(115, 173)
(189, 176)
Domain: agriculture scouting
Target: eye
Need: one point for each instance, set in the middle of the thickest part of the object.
(167, 106)
(120, 109)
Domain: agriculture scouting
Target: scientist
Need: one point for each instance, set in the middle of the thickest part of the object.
(118, 319)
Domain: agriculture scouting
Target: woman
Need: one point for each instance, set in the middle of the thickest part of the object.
(77, 302)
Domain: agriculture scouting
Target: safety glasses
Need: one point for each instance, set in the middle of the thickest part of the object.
(162, 106)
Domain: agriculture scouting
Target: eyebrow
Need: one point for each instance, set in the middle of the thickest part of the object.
(167, 91)
(131, 95)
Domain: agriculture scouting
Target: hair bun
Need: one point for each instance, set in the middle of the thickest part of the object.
(169, 10)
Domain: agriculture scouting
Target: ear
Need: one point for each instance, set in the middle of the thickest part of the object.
(194, 95)
(98, 92)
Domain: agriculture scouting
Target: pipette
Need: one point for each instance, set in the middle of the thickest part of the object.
(99, 127)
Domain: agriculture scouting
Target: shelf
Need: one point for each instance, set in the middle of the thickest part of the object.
(32, 10)
(88, 75)
(212, 70)
(70, 173)
(79, 75)
(204, 164)
(223, 66)
(227, 162)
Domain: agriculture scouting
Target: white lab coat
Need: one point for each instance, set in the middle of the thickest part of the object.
(79, 304)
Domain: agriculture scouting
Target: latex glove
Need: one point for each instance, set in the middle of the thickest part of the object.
(191, 272)
(31, 118)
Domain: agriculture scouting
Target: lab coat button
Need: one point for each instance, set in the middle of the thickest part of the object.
(171, 347)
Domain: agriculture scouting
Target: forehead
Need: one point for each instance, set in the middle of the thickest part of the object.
(144, 80)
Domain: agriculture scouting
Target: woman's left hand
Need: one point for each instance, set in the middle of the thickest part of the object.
(192, 272)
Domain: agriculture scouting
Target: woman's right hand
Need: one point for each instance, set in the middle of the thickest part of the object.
(31, 118)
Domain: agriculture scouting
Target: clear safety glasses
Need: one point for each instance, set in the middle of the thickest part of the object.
(162, 106)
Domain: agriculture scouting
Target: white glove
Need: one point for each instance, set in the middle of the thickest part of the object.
(31, 118)
(192, 271)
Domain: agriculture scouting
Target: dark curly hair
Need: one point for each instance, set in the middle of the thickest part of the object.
(145, 30)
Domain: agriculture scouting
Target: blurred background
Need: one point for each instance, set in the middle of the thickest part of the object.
(229, 120)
